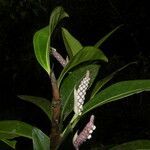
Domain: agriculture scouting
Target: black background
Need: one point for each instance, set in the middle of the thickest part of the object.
(89, 21)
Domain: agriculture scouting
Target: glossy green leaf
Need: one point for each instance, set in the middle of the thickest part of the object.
(102, 40)
(103, 81)
(42, 38)
(88, 53)
(13, 128)
(133, 145)
(42, 103)
(117, 91)
(11, 143)
(40, 140)
(69, 83)
(41, 44)
(73, 46)
(57, 15)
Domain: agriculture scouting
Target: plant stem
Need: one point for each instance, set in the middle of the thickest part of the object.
(56, 110)
(56, 138)
(68, 129)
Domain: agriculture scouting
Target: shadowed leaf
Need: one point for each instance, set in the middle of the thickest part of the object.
(11, 143)
(133, 145)
(42, 103)
(102, 40)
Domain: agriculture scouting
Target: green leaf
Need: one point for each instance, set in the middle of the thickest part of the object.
(103, 81)
(73, 46)
(40, 140)
(133, 145)
(4, 135)
(11, 128)
(117, 91)
(40, 102)
(102, 40)
(42, 38)
(11, 143)
(57, 15)
(88, 53)
(41, 41)
(69, 83)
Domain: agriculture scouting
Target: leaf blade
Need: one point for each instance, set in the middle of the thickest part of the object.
(116, 92)
(40, 102)
(40, 140)
(11, 143)
(42, 38)
(88, 53)
(102, 40)
(13, 128)
(40, 42)
(133, 145)
(73, 46)
(57, 15)
(103, 81)
(67, 87)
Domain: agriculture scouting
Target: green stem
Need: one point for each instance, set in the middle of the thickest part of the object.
(68, 129)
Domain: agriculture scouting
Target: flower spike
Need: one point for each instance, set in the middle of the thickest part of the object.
(59, 58)
(79, 94)
(85, 134)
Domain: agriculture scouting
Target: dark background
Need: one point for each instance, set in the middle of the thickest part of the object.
(89, 21)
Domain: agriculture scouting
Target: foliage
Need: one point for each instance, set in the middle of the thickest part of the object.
(42, 38)
(81, 59)
(138, 144)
